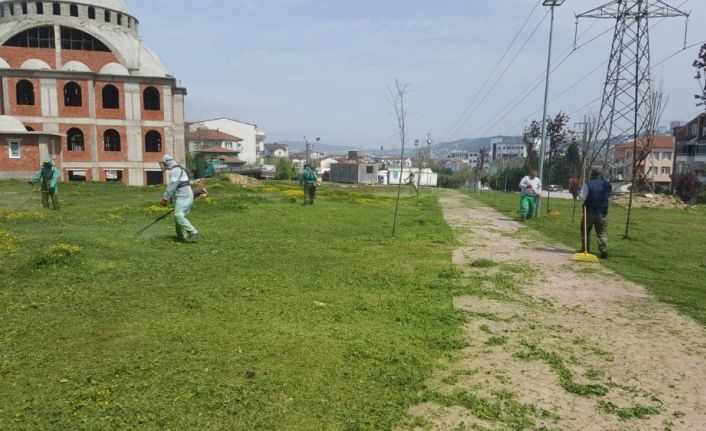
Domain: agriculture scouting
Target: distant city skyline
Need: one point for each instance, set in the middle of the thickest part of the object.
(300, 68)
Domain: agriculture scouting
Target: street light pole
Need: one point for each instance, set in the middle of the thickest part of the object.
(552, 4)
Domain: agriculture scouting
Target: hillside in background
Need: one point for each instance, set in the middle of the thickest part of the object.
(439, 150)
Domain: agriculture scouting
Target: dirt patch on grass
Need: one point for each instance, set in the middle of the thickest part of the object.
(572, 347)
(650, 201)
(244, 180)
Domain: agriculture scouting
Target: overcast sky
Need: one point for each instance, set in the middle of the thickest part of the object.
(323, 67)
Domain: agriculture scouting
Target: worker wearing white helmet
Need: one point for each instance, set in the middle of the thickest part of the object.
(179, 190)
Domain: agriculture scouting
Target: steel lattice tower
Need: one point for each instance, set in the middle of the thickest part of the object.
(626, 103)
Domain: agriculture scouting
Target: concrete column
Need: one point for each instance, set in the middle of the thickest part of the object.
(168, 103)
(96, 139)
(5, 96)
(136, 177)
(133, 105)
(134, 143)
(49, 98)
(57, 43)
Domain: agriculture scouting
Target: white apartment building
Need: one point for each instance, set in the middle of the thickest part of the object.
(253, 140)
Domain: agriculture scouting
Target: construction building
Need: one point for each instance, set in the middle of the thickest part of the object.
(88, 92)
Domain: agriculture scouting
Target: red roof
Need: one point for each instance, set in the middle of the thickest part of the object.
(210, 135)
(659, 142)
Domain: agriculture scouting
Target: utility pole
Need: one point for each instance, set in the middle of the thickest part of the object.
(552, 4)
(626, 104)
(306, 142)
(308, 149)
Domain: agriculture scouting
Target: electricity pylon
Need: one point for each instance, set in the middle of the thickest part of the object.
(626, 104)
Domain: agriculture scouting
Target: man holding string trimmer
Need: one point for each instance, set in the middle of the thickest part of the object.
(179, 190)
(49, 176)
(595, 194)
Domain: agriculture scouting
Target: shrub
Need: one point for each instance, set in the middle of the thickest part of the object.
(686, 186)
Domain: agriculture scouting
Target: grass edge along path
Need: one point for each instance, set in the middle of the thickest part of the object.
(665, 252)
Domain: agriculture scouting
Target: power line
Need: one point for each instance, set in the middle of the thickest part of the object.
(537, 82)
(579, 80)
(497, 65)
(497, 81)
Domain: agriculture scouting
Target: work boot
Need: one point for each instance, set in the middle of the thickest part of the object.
(179, 239)
(604, 255)
(195, 237)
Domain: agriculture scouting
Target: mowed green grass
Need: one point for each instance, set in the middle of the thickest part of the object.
(284, 317)
(666, 249)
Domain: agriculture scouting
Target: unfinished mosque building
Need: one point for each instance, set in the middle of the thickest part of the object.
(88, 92)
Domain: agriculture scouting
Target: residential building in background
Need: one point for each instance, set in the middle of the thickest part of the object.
(507, 149)
(658, 164)
(276, 151)
(208, 138)
(253, 141)
(100, 103)
(691, 148)
(213, 152)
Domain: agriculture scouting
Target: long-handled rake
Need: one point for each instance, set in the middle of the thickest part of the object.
(160, 218)
(585, 256)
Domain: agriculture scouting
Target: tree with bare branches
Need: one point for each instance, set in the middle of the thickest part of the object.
(396, 97)
(643, 148)
(700, 65)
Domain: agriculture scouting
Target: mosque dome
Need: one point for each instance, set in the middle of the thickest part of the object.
(117, 5)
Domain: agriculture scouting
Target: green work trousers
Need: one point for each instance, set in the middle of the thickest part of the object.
(600, 222)
(527, 205)
(309, 193)
(46, 195)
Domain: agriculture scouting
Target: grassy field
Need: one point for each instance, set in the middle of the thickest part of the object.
(283, 317)
(666, 251)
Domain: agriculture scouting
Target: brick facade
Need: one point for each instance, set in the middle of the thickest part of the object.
(101, 53)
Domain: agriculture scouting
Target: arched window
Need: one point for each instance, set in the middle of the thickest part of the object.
(24, 8)
(111, 97)
(74, 138)
(72, 38)
(72, 94)
(12, 8)
(73, 10)
(56, 8)
(25, 92)
(153, 142)
(40, 8)
(107, 15)
(91, 12)
(151, 99)
(35, 37)
(29, 128)
(111, 140)
(120, 19)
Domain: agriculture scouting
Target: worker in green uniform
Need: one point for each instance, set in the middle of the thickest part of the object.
(308, 180)
(49, 176)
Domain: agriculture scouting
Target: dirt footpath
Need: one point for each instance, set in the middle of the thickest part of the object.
(558, 345)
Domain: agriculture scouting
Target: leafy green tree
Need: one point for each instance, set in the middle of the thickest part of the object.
(508, 179)
(531, 135)
(285, 170)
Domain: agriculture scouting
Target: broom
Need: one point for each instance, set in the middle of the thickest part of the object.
(585, 256)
